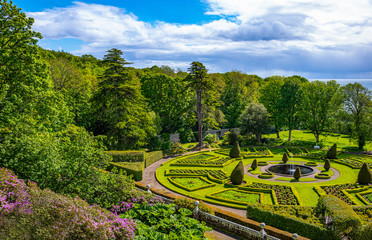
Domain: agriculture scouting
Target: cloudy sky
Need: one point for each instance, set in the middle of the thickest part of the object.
(329, 39)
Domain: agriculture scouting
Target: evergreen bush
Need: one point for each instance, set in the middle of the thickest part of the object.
(285, 158)
(327, 165)
(235, 150)
(237, 174)
(254, 164)
(297, 174)
(332, 152)
(365, 175)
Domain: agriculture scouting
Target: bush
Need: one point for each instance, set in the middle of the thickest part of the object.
(266, 175)
(235, 150)
(339, 217)
(327, 165)
(190, 204)
(254, 164)
(365, 175)
(210, 138)
(48, 215)
(237, 174)
(332, 152)
(134, 169)
(186, 135)
(297, 219)
(285, 158)
(297, 174)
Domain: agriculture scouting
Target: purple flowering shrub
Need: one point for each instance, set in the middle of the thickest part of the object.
(44, 214)
(128, 204)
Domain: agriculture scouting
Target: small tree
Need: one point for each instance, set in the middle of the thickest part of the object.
(285, 158)
(235, 150)
(237, 174)
(327, 165)
(297, 174)
(365, 175)
(254, 164)
(332, 152)
(254, 120)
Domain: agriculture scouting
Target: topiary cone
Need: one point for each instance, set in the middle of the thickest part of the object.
(235, 150)
(327, 165)
(297, 174)
(237, 174)
(332, 152)
(254, 164)
(365, 175)
(285, 158)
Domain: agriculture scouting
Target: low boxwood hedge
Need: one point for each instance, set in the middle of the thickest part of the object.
(135, 169)
(322, 176)
(262, 163)
(311, 164)
(266, 175)
(208, 185)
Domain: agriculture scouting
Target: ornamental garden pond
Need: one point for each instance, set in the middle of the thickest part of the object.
(270, 186)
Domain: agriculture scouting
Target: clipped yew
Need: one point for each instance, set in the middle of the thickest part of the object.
(365, 175)
(254, 164)
(327, 165)
(285, 158)
(332, 152)
(237, 174)
(235, 150)
(297, 174)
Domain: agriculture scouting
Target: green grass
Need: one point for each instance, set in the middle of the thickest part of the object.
(307, 138)
(368, 197)
(239, 196)
(190, 182)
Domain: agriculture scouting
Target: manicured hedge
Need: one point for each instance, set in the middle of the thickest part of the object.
(262, 190)
(152, 157)
(266, 175)
(288, 222)
(340, 216)
(210, 184)
(322, 176)
(135, 169)
(127, 156)
(213, 196)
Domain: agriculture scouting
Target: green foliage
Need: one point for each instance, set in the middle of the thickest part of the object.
(254, 164)
(319, 102)
(327, 165)
(235, 150)
(332, 152)
(186, 135)
(339, 216)
(169, 99)
(365, 175)
(297, 219)
(237, 175)
(160, 221)
(254, 120)
(134, 169)
(120, 109)
(211, 138)
(26, 95)
(358, 101)
(127, 156)
(297, 174)
(190, 204)
(285, 157)
(269, 97)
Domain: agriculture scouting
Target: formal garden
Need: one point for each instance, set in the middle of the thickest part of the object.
(208, 176)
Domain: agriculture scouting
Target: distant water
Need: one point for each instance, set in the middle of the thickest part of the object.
(367, 83)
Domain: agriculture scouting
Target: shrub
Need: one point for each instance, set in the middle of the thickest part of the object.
(254, 164)
(135, 169)
(297, 174)
(210, 138)
(186, 135)
(190, 204)
(327, 165)
(266, 175)
(237, 174)
(365, 175)
(338, 216)
(152, 157)
(332, 152)
(235, 150)
(54, 216)
(285, 158)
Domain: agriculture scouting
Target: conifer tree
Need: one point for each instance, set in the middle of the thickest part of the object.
(237, 174)
(297, 174)
(285, 158)
(235, 150)
(327, 165)
(254, 164)
(365, 175)
(332, 152)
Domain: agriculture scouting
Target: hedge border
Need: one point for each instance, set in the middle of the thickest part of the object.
(322, 176)
(210, 184)
(266, 175)
(263, 190)
(207, 175)
(137, 174)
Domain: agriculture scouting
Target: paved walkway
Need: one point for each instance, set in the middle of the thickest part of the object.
(149, 178)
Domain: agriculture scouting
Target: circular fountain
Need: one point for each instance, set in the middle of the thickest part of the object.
(289, 169)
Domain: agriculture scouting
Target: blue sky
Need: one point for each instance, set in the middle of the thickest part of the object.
(329, 39)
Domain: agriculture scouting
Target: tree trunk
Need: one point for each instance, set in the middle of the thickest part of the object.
(258, 138)
(277, 131)
(199, 116)
(316, 134)
(290, 135)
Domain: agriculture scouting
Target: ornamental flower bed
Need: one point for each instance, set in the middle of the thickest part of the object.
(284, 194)
(214, 161)
(218, 174)
(335, 190)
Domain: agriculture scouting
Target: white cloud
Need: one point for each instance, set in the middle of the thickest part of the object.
(251, 35)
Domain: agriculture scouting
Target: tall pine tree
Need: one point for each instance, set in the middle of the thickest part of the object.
(119, 106)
